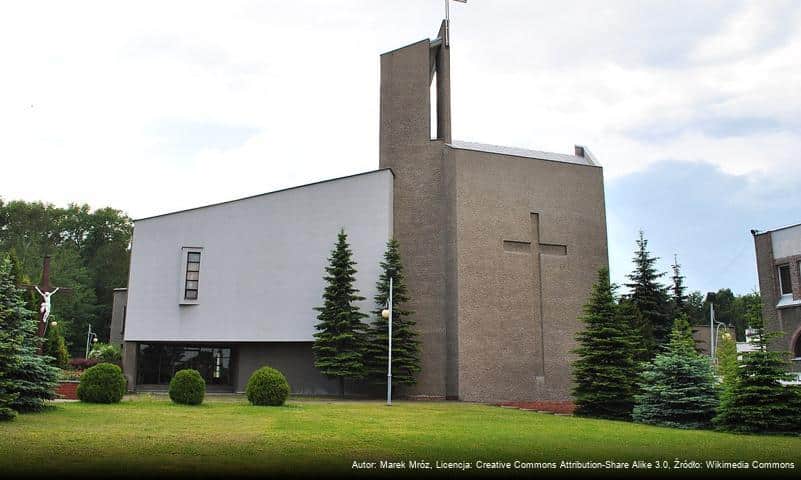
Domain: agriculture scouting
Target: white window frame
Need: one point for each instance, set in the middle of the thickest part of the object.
(185, 251)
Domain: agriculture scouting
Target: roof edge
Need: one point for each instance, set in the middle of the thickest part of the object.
(369, 172)
(591, 161)
(760, 232)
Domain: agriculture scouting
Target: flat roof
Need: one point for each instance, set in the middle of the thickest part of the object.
(267, 193)
(761, 232)
(522, 152)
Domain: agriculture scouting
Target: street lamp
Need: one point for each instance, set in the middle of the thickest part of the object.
(717, 331)
(710, 297)
(387, 313)
(91, 338)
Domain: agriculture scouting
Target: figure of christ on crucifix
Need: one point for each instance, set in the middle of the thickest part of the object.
(45, 308)
(536, 249)
(46, 290)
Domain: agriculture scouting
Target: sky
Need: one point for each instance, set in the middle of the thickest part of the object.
(692, 107)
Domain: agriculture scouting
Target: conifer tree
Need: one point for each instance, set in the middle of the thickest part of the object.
(405, 344)
(10, 340)
(339, 344)
(727, 366)
(678, 290)
(641, 331)
(758, 402)
(605, 370)
(650, 298)
(34, 379)
(678, 386)
(55, 346)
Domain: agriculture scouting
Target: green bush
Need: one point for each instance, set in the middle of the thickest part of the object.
(54, 346)
(103, 383)
(267, 386)
(106, 353)
(187, 387)
(7, 414)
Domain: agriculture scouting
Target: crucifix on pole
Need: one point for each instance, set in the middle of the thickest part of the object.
(46, 290)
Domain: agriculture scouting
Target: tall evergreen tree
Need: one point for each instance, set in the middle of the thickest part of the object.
(678, 386)
(11, 337)
(34, 379)
(650, 298)
(605, 370)
(340, 341)
(727, 365)
(758, 402)
(405, 344)
(678, 290)
(55, 346)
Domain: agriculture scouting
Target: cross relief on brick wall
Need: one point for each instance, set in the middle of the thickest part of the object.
(535, 248)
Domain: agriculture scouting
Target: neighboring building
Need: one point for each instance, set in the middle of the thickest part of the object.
(778, 254)
(500, 245)
(702, 337)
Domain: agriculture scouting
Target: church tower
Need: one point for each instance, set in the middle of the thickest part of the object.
(416, 155)
(501, 245)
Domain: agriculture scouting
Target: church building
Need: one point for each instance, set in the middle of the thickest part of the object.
(500, 246)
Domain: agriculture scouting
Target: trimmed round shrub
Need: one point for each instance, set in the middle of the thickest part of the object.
(267, 386)
(103, 383)
(187, 387)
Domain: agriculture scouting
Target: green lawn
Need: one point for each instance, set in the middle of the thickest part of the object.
(226, 435)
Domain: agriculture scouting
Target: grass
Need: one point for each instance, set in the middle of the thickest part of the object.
(148, 434)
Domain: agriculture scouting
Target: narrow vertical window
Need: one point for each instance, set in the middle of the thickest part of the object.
(784, 280)
(192, 275)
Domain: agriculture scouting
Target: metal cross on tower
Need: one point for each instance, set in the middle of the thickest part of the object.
(45, 290)
(448, 20)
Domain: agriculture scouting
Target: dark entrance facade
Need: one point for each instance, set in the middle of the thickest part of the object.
(157, 363)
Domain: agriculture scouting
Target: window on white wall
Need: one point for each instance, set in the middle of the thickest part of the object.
(190, 275)
(784, 280)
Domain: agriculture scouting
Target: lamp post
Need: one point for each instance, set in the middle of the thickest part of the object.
(91, 337)
(717, 330)
(387, 313)
(710, 297)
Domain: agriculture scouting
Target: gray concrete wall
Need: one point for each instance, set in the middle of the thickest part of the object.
(511, 346)
(294, 360)
(118, 316)
(406, 147)
(485, 337)
(262, 265)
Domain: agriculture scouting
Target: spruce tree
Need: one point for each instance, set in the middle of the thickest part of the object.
(405, 344)
(605, 370)
(650, 298)
(10, 341)
(727, 366)
(678, 290)
(758, 402)
(34, 379)
(678, 385)
(339, 344)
